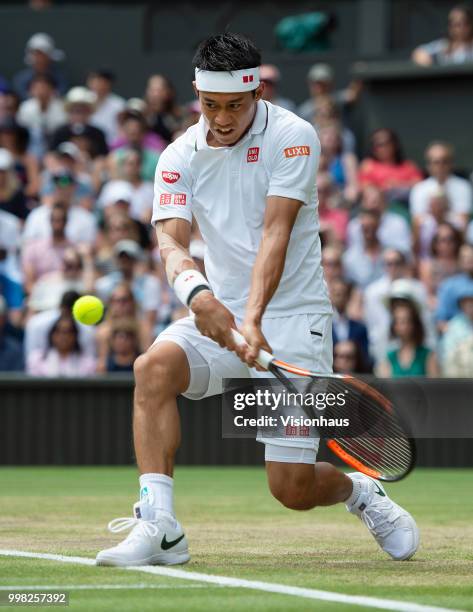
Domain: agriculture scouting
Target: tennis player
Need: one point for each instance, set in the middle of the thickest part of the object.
(247, 173)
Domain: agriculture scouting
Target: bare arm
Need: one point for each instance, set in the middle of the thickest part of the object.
(212, 318)
(279, 220)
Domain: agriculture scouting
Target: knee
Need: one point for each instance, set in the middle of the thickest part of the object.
(295, 494)
(155, 375)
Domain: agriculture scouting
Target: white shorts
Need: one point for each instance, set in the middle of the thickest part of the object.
(304, 340)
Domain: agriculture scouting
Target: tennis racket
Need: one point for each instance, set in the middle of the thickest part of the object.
(378, 445)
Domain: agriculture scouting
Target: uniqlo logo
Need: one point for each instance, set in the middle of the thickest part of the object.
(304, 431)
(296, 151)
(180, 198)
(252, 155)
(291, 430)
(165, 198)
(248, 78)
(170, 177)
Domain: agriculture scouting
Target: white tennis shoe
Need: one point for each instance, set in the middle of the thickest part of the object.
(154, 540)
(391, 526)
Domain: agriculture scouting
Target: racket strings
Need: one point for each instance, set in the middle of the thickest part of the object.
(374, 436)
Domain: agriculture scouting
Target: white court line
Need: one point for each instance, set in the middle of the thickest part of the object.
(269, 587)
(93, 587)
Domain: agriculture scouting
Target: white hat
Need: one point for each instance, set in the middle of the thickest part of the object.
(44, 43)
(70, 149)
(6, 160)
(116, 191)
(404, 289)
(135, 104)
(130, 248)
(320, 72)
(80, 95)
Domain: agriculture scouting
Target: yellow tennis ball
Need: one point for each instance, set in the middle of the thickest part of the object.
(88, 310)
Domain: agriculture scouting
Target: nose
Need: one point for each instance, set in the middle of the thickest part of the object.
(222, 119)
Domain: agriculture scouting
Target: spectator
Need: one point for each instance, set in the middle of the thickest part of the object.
(146, 287)
(39, 325)
(124, 346)
(135, 129)
(46, 255)
(396, 283)
(164, 114)
(76, 274)
(332, 263)
(42, 113)
(457, 341)
(412, 357)
(439, 158)
(15, 138)
(328, 115)
(80, 104)
(425, 226)
(64, 355)
(452, 287)
(12, 198)
(363, 263)
(457, 48)
(11, 352)
(121, 306)
(445, 249)
(344, 328)
(117, 226)
(320, 79)
(386, 168)
(81, 225)
(342, 166)
(271, 77)
(108, 104)
(12, 291)
(67, 160)
(348, 358)
(10, 240)
(141, 192)
(333, 221)
(9, 105)
(41, 57)
(393, 232)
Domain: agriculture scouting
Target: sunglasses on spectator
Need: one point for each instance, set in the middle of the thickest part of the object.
(121, 300)
(393, 262)
(63, 181)
(64, 330)
(345, 355)
(382, 143)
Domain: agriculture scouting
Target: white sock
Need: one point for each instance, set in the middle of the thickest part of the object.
(355, 494)
(159, 490)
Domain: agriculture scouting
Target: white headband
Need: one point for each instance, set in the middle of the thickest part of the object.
(227, 82)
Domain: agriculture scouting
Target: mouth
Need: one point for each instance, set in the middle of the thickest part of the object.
(224, 132)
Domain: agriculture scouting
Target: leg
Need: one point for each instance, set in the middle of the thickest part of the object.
(302, 486)
(161, 374)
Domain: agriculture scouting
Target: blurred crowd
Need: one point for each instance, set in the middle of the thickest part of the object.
(76, 192)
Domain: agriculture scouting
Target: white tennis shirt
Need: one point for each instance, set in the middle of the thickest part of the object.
(226, 189)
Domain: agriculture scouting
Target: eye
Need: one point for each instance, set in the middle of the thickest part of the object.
(235, 106)
(210, 105)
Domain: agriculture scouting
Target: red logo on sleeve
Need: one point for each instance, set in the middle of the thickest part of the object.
(180, 198)
(295, 151)
(253, 154)
(170, 177)
(165, 198)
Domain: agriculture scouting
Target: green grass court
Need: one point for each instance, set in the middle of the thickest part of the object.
(235, 529)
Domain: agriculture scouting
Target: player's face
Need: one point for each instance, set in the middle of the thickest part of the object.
(229, 115)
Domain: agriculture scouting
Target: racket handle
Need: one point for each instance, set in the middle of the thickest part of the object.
(264, 358)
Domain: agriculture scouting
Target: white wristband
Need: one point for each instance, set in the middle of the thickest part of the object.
(186, 282)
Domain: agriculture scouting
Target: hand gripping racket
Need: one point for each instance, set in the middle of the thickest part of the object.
(377, 445)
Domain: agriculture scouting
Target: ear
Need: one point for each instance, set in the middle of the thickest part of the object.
(259, 92)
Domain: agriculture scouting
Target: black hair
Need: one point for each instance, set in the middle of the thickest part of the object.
(227, 52)
(69, 319)
(103, 73)
(418, 333)
(68, 299)
(45, 78)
